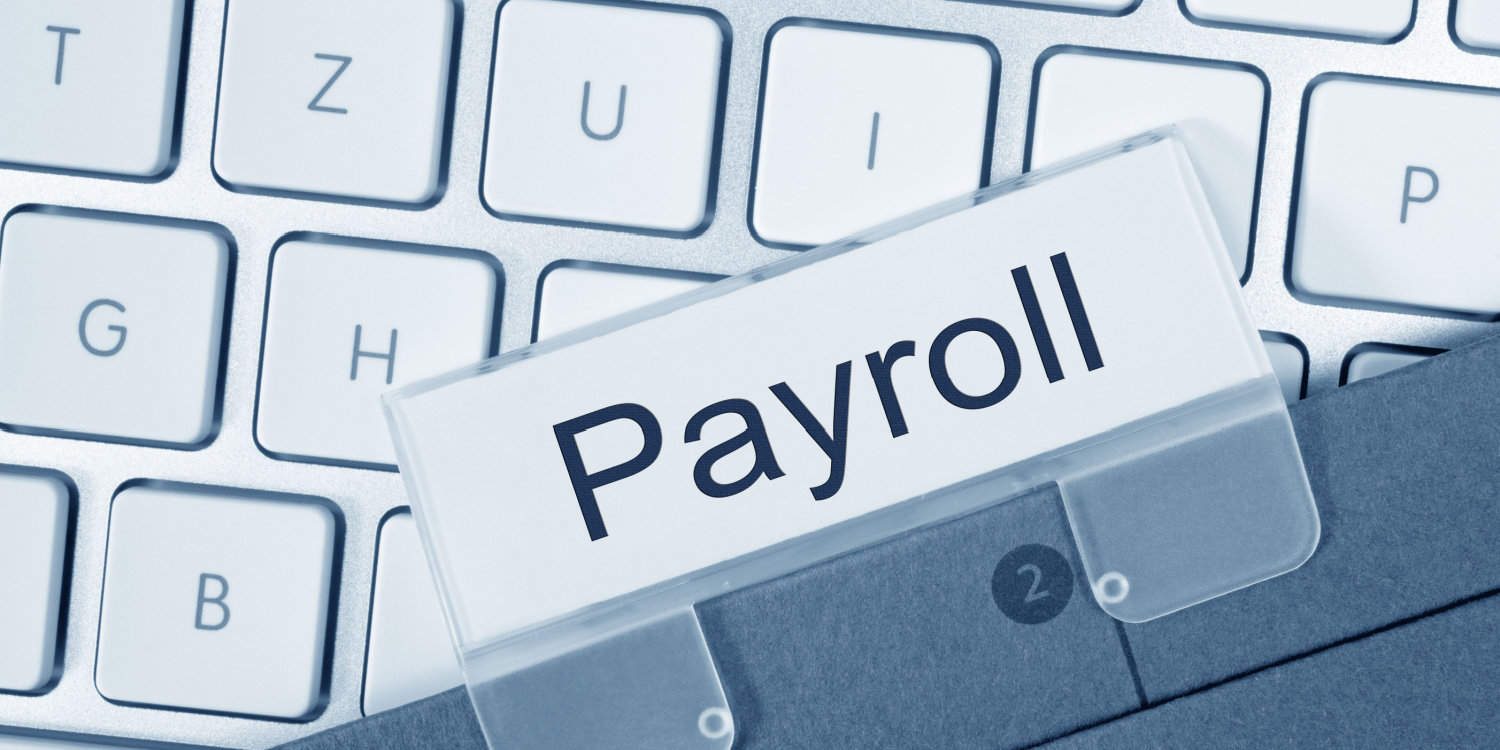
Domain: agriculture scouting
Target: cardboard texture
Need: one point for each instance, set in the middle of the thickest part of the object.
(1432, 683)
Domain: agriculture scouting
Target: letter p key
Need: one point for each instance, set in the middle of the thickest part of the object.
(1408, 198)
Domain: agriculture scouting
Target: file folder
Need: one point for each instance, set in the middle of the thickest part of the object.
(1386, 635)
(1117, 438)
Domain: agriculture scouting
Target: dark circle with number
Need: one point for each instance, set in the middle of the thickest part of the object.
(1032, 584)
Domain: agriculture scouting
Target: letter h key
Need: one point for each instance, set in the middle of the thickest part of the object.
(336, 339)
(389, 355)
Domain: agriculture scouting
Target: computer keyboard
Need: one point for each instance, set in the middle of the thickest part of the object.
(229, 225)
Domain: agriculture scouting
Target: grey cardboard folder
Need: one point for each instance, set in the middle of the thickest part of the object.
(1388, 636)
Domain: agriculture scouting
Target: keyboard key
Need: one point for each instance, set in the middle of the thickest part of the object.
(1372, 360)
(1477, 23)
(1400, 214)
(110, 328)
(1427, 684)
(216, 600)
(937, 625)
(1089, 99)
(573, 295)
(34, 511)
(1095, 6)
(90, 84)
(346, 322)
(583, 127)
(858, 127)
(1289, 361)
(1369, 20)
(323, 97)
(410, 654)
(1397, 541)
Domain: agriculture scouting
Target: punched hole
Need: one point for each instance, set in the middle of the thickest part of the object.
(715, 723)
(1112, 588)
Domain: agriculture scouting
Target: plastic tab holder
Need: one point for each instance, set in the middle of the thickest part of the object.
(1079, 325)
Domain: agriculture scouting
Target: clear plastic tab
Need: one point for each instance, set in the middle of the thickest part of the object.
(650, 684)
(1194, 506)
(1080, 325)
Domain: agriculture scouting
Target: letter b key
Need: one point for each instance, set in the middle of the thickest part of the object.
(217, 599)
(212, 601)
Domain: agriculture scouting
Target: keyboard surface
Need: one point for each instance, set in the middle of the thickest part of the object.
(224, 272)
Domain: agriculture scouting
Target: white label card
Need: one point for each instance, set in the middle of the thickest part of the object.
(1097, 296)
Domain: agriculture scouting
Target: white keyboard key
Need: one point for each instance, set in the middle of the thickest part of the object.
(584, 126)
(34, 510)
(1289, 362)
(332, 98)
(110, 328)
(1371, 20)
(411, 655)
(89, 84)
(216, 600)
(1403, 213)
(1086, 100)
(1111, 7)
(1477, 23)
(348, 322)
(860, 127)
(1372, 360)
(575, 295)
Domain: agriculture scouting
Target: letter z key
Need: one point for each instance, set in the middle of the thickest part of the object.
(355, 95)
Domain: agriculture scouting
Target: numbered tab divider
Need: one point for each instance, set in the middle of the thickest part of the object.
(1160, 522)
(1168, 511)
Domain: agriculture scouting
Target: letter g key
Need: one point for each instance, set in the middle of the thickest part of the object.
(119, 330)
